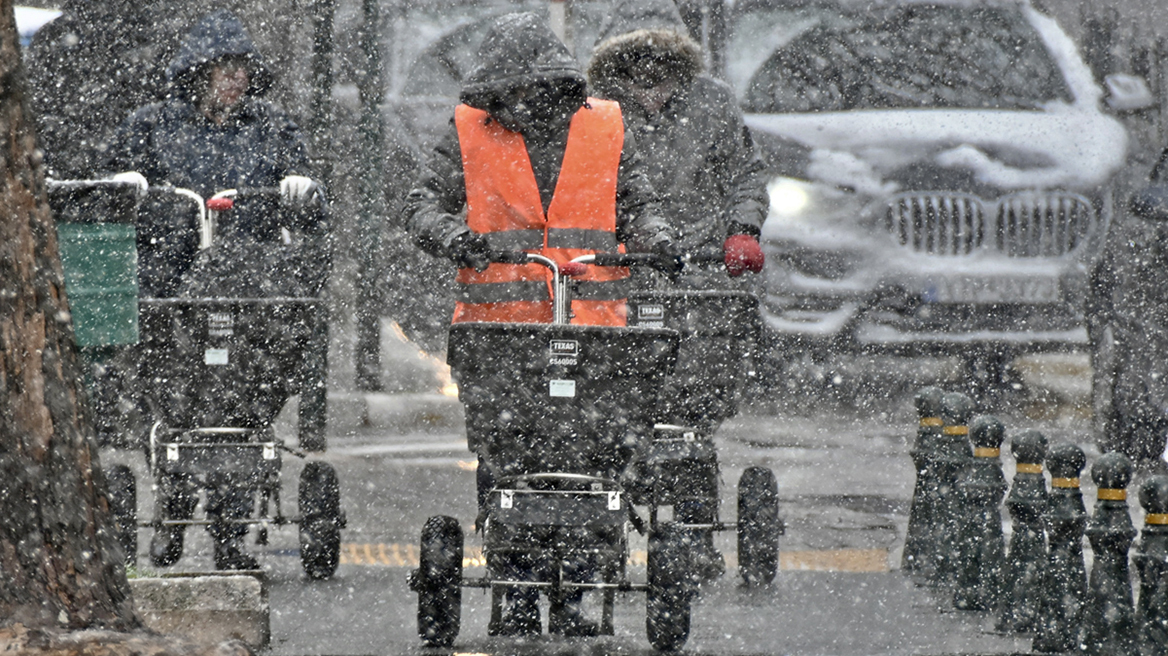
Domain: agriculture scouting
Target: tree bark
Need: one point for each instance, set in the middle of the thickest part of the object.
(60, 565)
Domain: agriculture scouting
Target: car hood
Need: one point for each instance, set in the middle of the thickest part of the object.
(1064, 146)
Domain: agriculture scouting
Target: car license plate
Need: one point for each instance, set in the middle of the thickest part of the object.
(993, 290)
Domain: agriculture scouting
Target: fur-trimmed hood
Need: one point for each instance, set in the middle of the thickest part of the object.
(638, 30)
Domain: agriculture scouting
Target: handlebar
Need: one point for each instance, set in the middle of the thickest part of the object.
(706, 256)
(519, 257)
(654, 260)
(69, 185)
(208, 208)
(560, 299)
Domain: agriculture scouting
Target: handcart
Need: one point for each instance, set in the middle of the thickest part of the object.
(681, 469)
(212, 373)
(572, 408)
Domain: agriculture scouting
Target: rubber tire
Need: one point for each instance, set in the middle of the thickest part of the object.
(123, 498)
(759, 526)
(671, 588)
(439, 581)
(320, 520)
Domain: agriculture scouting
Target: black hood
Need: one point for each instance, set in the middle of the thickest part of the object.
(520, 50)
(217, 35)
(638, 30)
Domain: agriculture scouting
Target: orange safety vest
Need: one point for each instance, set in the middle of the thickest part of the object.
(503, 204)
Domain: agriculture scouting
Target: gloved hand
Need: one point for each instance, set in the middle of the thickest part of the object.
(469, 250)
(742, 253)
(670, 256)
(296, 190)
(135, 178)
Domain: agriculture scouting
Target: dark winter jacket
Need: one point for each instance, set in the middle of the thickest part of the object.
(88, 69)
(520, 51)
(698, 153)
(173, 143)
(1129, 300)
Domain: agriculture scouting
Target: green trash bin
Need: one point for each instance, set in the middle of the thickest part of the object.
(101, 280)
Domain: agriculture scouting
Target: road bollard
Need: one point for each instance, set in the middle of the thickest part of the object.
(980, 487)
(1151, 560)
(1028, 502)
(919, 548)
(951, 455)
(1108, 615)
(1064, 580)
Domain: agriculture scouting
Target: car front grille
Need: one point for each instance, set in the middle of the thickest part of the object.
(937, 224)
(1027, 224)
(1043, 225)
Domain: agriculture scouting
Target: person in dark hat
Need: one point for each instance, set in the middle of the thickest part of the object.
(700, 160)
(214, 132)
(698, 152)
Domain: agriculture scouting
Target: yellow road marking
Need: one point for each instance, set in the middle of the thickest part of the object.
(835, 560)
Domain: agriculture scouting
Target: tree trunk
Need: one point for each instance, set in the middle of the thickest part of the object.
(61, 565)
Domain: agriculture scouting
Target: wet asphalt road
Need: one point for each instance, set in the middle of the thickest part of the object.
(845, 477)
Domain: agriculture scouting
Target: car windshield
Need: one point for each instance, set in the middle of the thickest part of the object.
(824, 58)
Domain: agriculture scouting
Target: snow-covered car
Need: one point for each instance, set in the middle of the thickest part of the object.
(941, 174)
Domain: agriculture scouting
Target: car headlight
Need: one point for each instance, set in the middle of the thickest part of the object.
(798, 203)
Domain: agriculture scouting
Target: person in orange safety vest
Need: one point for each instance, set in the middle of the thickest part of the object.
(537, 166)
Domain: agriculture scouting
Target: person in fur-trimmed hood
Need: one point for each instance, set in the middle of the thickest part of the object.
(697, 151)
(700, 160)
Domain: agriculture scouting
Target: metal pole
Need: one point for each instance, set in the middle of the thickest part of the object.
(320, 120)
(368, 352)
(313, 408)
(557, 20)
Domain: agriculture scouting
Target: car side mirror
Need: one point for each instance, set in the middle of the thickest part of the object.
(1127, 93)
(1150, 203)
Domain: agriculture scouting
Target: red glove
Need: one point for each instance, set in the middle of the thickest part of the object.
(742, 254)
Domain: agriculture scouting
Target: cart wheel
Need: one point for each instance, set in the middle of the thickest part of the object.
(759, 526)
(123, 497)
(320, 520)
(438, 581)
(671, 587)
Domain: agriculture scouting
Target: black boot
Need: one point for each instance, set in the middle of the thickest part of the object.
(166, 545)
(520, 613)
(566, 618)
(176, 500)
(229, 554)
(708, 561)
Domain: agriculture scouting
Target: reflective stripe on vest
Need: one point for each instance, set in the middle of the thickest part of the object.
(504, 204)
(532, 240)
